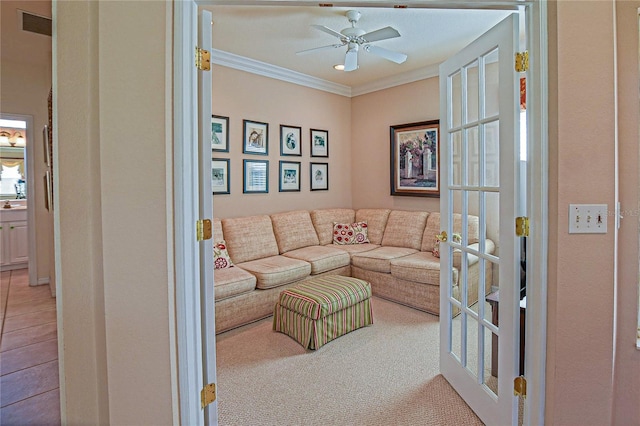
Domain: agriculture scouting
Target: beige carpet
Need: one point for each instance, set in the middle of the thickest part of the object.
(384, 374)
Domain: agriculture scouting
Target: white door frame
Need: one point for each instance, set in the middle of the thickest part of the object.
(31, 192)
(188, 313)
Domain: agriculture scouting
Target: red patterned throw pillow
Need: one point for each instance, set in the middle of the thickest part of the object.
(350, 233)
(221, 257)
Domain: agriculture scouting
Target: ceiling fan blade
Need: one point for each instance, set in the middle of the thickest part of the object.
(396, 57)
(351, 60)
(328, 31)
(381, 34)
(318, 49)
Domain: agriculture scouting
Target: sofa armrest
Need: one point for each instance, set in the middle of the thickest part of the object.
(490, 247)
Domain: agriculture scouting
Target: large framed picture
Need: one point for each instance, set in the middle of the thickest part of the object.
(220, 176)
(289, 176)
(255, 137)
(219, 133)
(415, 159)
(290, 138)
(319, 175)
(255, 176)
(319, 143)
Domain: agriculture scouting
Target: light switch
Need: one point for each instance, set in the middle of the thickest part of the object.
(587, 218)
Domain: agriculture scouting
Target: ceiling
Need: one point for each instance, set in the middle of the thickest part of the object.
(273, 34)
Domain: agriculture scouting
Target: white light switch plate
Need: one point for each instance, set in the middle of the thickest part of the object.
(587, 218)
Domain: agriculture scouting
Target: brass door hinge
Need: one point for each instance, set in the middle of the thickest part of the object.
(203, 59)
(207, 395)
(522, 226)
(203, 229)
(520, 386)
(522, 61)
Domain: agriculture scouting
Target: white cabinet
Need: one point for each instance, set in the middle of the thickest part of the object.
(14, 241)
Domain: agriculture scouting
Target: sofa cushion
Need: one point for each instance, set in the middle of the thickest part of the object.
(357, 248)
(294, 230)
(321, 258)
(323, 220)
(405, 229)
(420, 267)
(231, 282)
(217, 230)
(433, 228)
(249, 238)
(274, 271)
(350, 233)
(376, 222)
(379, 260)
(221, 259)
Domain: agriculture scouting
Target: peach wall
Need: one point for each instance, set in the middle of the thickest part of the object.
(112, 211)
(81, 313)
(109, 303)
(373, 114)
(24, 89)
(581, 167)
(627, 362)
(240, 95)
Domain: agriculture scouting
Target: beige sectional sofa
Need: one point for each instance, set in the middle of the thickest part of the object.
(273, 252)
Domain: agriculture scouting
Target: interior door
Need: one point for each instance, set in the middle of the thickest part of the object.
(206, 212)
(479, 306)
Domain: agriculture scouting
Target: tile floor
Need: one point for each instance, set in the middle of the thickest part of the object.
(29, 393)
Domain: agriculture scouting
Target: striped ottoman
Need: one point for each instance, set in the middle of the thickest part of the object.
(321, 309)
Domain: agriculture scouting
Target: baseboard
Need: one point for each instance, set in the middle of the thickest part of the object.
(43, 281)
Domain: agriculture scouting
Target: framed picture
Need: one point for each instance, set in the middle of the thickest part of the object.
(415, 159)
(219, 133)
(255, 176)
(289, 176)
(319, 175)
(45, 143)
(290, 140)
(220, 176)
(319, 143)
(255, 137)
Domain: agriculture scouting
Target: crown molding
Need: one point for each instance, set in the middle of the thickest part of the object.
(230, 60)
(396, 80)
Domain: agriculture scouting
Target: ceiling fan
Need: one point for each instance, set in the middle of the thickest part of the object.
(353, 38)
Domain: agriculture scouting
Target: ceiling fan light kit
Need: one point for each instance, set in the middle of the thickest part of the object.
(353, 37)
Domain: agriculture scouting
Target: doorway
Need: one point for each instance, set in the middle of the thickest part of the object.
(537, 17)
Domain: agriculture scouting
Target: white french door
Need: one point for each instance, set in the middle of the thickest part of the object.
(479, 350)
(205, 208)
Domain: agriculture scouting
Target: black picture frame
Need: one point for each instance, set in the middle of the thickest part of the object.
(415, 159)
(319, 142)
(290, 176)
(255, 137)
(219, 133)
(220, 176)
(290, 140)
(319, 176)
(255, 176)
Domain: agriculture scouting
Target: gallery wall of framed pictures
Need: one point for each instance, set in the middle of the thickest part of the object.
(255, 142)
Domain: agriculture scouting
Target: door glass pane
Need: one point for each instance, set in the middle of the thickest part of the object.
(491, 360)
(491, 83)
(491, 222)
(473, 349)
(456, 100)
(472, 92)
(473, 157)
(456, 333)
(492, 154)
(456, 155)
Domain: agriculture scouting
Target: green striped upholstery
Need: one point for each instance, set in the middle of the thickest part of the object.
(322, 309)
